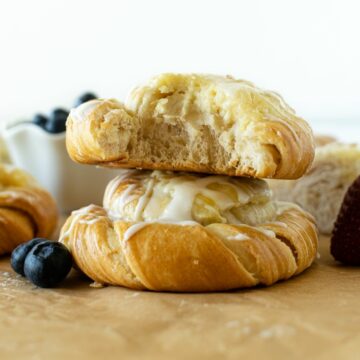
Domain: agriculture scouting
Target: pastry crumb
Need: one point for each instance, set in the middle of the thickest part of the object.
(97, 285)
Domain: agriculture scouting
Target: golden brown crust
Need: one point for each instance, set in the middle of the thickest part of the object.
(173, 257)
(26, 210)
(242, 131)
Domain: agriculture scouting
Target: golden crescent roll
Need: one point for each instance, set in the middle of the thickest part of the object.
(197, 123)
(322, 190)
(26, 210)
(169, 231)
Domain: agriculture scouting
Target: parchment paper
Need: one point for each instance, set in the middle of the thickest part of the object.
(315, 316)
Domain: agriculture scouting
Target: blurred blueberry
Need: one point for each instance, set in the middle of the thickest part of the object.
(57, 121)
(39, 120)
(85, 97)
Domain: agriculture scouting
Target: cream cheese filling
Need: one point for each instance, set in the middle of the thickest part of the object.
(171, 198)
(145, 197)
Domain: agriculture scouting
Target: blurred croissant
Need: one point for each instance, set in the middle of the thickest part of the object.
(26, 210)
(323, 188)
(169, 231)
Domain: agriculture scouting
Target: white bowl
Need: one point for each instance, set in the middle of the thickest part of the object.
(44, 156)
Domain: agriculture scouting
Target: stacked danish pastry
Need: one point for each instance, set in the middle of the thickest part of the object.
(198, 217)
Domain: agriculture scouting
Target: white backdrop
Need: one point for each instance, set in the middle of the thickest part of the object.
(306, 50)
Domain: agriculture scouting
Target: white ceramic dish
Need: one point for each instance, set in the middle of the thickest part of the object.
(44, 156)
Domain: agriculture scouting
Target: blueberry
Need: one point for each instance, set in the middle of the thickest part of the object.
(39, 120)
(47, 264)
(57, 121)
(56, 127)
(19, 254)
(59, 113)
(84, 98)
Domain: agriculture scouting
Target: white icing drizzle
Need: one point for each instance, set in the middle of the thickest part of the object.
(142, 202)
(280, 223)
(114, 184)
(133, 229)
(82, 111)
(169, 198)
(121, 201)
(89, 221)
(182, 191)
(238, 237)
(179, 192)
(9, 194)
(75, 219)
(267, 232)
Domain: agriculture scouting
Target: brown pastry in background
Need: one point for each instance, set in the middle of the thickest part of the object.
(345, 241)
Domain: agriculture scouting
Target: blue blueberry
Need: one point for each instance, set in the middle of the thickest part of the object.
(56, 127)
(39, 120)
(85, 97)
(57, 121)
(59, 113)
(47, 264)
(19, 254)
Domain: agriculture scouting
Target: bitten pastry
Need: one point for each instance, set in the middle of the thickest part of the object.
(198, 123)
(169, 231)
(26, 210)
(322, 189)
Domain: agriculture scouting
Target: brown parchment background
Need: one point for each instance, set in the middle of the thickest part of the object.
(315, 316)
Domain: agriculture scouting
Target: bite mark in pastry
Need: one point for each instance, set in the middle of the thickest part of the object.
(26, 210)
(168, 231)
(199, 123)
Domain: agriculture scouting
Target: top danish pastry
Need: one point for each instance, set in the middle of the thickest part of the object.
(199, 123)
